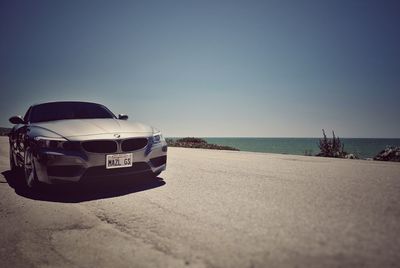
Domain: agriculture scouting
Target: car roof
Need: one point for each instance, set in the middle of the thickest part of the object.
(50, 102)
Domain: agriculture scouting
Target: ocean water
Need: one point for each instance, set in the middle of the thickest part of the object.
(363, 148)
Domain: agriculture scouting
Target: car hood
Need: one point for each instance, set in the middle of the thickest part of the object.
(95, 128)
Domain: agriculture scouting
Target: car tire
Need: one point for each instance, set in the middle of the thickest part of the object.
(31, 180)
(13, 167)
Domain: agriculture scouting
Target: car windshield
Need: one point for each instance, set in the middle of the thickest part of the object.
(68, 110)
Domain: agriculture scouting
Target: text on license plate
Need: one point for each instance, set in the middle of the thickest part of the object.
(119, 160)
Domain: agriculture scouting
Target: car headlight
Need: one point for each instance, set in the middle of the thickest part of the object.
(157, 137)
(51, 143)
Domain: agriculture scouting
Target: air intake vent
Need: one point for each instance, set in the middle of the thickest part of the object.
(100, 171)
(65, 171)
(133, 144)
(158, 161)
(100, 146)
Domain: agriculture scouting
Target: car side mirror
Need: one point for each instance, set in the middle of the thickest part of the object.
(123, 116)
(17, 119)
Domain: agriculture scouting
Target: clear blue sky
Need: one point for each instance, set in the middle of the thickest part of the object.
(210, 68)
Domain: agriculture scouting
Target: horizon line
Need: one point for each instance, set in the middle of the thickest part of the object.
(275, 137)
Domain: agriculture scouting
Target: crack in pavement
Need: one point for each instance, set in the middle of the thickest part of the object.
(156, 245)
(71, 227)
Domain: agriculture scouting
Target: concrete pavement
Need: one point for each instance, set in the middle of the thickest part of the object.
(210, 209)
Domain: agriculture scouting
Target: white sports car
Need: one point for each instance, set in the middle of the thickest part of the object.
(73, 141)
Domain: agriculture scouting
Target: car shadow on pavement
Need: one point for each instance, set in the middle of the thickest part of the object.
(80, 192)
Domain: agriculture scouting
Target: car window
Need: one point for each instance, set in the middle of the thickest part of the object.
(68, 110)
(26, 117)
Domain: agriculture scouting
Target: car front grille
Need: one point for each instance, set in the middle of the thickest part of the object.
(133, 144)
(101, 146)
(72, 145)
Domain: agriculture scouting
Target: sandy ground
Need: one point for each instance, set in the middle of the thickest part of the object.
(210, 209)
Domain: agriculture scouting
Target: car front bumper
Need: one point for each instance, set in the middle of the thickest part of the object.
(75, 166)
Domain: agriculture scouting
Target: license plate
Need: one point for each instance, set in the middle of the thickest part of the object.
(119, 160)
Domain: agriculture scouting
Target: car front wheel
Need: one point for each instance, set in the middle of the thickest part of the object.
(29, 170)
(13, 167)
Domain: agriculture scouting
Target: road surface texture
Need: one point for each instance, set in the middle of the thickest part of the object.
(210, 209)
